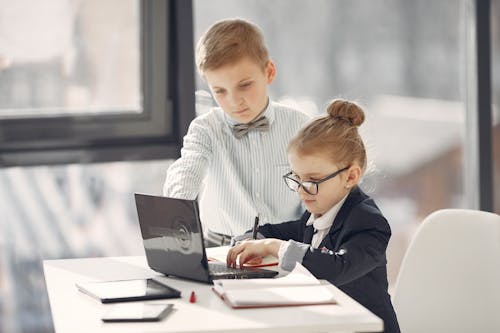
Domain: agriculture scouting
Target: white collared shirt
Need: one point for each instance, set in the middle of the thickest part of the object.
(241, 177)
(323, 223)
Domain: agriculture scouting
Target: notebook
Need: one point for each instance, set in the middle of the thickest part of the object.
(173, 240)
(298, 288)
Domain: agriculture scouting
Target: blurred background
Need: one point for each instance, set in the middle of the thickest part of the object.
(403, 61)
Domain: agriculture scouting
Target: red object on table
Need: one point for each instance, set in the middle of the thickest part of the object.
(192, 298)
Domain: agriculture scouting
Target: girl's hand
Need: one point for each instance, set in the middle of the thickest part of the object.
(254, 261)
(249, 250)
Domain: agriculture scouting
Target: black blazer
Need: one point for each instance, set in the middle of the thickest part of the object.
(351, 256)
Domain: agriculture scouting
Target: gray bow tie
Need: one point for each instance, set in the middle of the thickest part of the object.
(259, 124)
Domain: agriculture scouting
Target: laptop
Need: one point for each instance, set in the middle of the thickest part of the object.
(173, 240)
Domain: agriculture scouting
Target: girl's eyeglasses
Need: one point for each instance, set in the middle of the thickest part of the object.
(310, 187)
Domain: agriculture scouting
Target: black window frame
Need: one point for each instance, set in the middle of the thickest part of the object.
(479, 135)
(167, 86)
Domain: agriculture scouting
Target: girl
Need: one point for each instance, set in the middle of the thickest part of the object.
(342, 236)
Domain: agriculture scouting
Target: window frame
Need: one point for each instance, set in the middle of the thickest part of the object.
(167, 87)
(479, 139)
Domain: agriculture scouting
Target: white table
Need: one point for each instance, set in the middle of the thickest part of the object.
(73, 311)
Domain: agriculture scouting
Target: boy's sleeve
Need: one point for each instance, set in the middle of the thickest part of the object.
(362, 251)
(185, 176)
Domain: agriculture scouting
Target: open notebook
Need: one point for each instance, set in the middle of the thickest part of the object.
(299, 287)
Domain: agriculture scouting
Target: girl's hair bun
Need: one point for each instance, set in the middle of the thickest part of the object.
(349, 112)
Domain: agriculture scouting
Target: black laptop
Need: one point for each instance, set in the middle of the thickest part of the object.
(173, 240)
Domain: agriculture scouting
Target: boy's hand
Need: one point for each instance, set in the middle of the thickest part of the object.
(249, 250)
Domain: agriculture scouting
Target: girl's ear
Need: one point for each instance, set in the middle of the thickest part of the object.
(353, 176)
(270, 71)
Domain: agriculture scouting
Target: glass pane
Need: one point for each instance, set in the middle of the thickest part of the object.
(55, 212)
(69, 57)
(403, 61)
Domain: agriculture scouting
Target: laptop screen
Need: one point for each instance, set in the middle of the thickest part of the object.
(172, 236)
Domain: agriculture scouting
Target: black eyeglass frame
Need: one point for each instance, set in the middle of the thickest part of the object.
(316, 183)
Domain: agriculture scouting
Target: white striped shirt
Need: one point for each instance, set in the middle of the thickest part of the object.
(237, 178)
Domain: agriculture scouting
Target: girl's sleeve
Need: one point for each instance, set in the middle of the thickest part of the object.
(293, 250)
(362, 250)
(284, 231)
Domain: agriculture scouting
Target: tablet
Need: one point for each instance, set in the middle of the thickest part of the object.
(131, 312)
(128, 290)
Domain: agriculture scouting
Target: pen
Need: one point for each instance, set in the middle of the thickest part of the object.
(255, 227)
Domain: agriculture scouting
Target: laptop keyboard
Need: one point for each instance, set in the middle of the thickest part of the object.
(219, 268)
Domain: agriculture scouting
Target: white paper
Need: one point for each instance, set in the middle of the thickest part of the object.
(298, 287)
(299, 276)
(280, 296)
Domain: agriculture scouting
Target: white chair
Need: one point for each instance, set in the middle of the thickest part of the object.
(449, 279)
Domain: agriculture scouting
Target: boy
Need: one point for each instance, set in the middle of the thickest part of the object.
(239, 149)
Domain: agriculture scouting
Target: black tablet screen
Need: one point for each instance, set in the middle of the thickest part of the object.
(128, 290)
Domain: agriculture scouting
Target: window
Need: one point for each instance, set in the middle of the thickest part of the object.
(94, 80)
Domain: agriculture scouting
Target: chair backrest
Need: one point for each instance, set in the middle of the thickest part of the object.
(449, 279)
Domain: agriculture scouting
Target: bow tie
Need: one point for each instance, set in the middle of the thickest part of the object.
(259, 124)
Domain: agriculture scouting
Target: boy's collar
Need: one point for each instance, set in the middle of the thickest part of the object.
(268, 112)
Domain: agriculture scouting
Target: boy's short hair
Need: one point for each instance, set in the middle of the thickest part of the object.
(228, 41)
